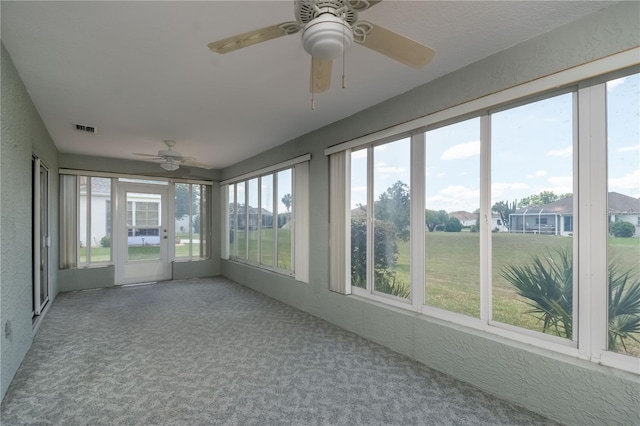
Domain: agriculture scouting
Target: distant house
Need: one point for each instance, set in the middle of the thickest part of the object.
(497, 223)
(256, 216)
(467, 219)
(557, 218)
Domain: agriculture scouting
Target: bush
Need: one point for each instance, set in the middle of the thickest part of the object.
(385, 257)
(622, 229)
(105, 241)
(453, 225)
(475, 228)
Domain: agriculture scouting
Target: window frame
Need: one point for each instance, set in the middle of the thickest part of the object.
(299, 212)
(589, 225)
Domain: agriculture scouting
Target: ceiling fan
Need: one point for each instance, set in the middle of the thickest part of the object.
(329, 28)
(171, 160)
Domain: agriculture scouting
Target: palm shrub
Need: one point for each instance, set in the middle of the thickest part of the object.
(547, 285)
(624, 308)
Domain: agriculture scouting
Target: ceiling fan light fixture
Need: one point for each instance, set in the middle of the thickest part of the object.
(170, 165)
(327, 37)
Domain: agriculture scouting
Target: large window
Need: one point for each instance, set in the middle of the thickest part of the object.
(380, 207)
(87, 212)
(452, 240)
(95, 215)
(191, 223)
(528, 203)
(266, 219)
(531, 191)
(623, 214)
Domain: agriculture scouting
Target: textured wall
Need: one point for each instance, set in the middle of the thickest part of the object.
(22, 134)
(563, 388)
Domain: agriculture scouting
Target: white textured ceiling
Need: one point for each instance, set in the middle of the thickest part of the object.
(141, 72)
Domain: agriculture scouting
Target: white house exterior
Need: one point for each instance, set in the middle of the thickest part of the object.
(557, 218)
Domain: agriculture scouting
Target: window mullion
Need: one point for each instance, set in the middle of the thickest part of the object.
(370, 221)
(485, 218)
(592, 222)
(417, 220)
(259, 242)
(274, 238)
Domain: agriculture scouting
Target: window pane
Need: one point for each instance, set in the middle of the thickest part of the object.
(284, 219)
(623, 127)
(202, 222)
(452, 241)
(266, 242)
(359, 218)
(100, 219)
(254, 217)
(182, 217)
(531, 195)
(194, 239)
(143, 234)
(391, 228)
(232, 220)
(82, 232)
(241, 221)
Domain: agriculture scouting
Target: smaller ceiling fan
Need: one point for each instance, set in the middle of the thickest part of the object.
(171, 160)
(329, 28)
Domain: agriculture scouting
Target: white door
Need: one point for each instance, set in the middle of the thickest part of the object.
(142, 245)
(41, 238)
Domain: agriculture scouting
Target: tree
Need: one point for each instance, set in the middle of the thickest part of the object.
(183, 198)
(434, 219)
(286, 200)
(504, 209)
(622, 229)
(453, 225)
(196, 224)
(544, 197)
(394, 206)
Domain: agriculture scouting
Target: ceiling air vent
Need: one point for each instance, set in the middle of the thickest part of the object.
(85, 128)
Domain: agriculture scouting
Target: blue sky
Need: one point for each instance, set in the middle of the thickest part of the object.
(531, 152)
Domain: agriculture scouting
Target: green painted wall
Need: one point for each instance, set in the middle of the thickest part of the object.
(22, 135)
(563, 388)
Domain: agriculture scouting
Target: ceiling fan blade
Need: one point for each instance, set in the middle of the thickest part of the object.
(398, 47)
(147, 155)
(192, 162)
(249, 38)
(360, 5)
(320, 74)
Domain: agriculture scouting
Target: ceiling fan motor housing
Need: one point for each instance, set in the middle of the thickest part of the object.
(327, 37)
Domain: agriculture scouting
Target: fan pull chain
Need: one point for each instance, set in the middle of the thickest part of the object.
(343, 55)
(313, 103)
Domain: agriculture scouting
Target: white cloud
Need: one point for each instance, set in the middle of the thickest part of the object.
(463, 150)
(615, 83)
(356, 155)
(362, 188)
(628, 184)
(391, 170)
(539, 173)
(455, 197)
(500, 189)
(565, 152)
(560, 184)
(463, 174)
(441, 174)
(629, 148)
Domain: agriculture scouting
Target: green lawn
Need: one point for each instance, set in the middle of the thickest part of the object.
(284, 246)
(453, 271)
(103, 254)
